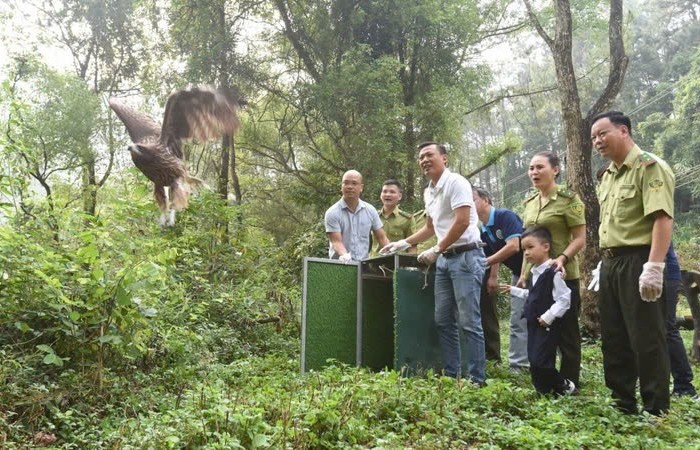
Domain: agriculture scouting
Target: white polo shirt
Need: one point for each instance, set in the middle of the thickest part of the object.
(451, 191)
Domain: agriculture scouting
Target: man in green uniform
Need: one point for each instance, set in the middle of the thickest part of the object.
(636, 221)
(397, 223)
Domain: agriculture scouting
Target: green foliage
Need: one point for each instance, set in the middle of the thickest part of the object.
(265, 403)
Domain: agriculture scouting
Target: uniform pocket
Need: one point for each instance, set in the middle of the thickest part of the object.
(626, 197)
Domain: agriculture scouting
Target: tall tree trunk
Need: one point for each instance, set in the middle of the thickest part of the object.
(89, 188)
(234, 174)
(222, 184)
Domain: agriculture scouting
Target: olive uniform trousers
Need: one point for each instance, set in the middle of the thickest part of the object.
(570, 336)
(634, 335)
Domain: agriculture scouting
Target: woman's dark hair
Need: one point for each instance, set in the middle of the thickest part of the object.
(540, 233)
(553, 160)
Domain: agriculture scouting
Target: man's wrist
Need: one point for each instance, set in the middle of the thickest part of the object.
(436, 249)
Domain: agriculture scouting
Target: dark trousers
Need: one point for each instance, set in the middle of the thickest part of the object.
(634, 337)
(680, 368)
(570, 339)
(489, 321)
(542, 346)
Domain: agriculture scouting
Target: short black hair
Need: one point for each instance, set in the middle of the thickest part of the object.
(484, 194)
(617, 118)
(441, 147)
(394, 182)
(539, 232)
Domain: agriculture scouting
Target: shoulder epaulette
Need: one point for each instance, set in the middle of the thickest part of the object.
(531, 195)
(419, 213)
(566, 192)
(646, 159)
(405, 214)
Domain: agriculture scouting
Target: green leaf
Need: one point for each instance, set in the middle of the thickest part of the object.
(44, 348)
(53, 359)
(107, 338)
(122, 297)
(74, 316)
(22, 326)
(259, 440)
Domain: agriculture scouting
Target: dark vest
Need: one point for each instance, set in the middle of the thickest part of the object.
(540, 297)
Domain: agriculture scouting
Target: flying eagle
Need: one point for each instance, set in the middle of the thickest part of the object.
(199, 113)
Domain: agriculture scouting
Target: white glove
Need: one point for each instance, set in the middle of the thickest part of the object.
(651, 281)
(429, 256)
(395, 247)
(594, 285)
(346, 258)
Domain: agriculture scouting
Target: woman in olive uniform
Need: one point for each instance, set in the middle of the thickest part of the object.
(562, 212)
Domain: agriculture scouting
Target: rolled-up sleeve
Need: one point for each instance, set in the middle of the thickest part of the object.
(332, 220)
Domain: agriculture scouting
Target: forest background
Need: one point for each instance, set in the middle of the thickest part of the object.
(115, 333)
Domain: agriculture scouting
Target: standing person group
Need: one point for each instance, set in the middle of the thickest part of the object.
(636, 199)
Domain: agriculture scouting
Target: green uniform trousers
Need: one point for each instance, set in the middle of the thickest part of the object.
(570, 337)
(634, 336)
(489, 321)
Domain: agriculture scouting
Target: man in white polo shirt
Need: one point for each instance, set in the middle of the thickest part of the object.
(459, 259)
(349, 222)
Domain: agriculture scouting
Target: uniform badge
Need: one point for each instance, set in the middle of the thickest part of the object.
(577, 208)
(499, 233)
(656, 184)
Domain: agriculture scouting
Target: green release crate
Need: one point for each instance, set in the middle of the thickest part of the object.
(378, 314)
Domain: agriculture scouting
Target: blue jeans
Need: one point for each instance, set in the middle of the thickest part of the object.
(680, 368)
(457, 292)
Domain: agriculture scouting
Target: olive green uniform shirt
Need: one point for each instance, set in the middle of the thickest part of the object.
(563, 211)
(629, 195)
(419, 218)
(397, 225)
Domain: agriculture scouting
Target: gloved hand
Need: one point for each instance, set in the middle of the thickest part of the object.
(395, 247)
(594, 285)
(346, 258)
(651, 281)
(429, 256)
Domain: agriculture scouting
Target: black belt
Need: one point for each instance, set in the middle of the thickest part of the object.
(614, 252)
(462, 248)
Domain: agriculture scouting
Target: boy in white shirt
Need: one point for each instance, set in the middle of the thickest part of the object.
(547, 299)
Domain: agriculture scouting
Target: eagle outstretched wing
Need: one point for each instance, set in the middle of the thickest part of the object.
(141, 127)
(200, 113)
